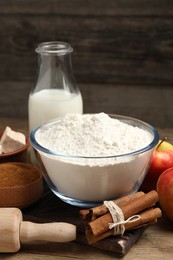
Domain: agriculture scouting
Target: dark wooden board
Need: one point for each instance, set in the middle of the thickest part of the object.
(50, 209)
(122, 60)
(89, 7)
(119, 50)
(117, 42)
(151, 104)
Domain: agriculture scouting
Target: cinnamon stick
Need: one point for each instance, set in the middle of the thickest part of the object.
(148, 217)
(93, 239)
(93, 213)
(101, 224)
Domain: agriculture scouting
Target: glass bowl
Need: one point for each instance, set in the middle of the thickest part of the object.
(88, 181)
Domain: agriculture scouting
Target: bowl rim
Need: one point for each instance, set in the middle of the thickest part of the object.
(123, 118)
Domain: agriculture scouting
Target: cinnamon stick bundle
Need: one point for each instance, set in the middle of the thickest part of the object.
(93, 213)
(140, 203)
(148, 217)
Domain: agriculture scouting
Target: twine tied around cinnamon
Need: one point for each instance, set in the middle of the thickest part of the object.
(118, 218)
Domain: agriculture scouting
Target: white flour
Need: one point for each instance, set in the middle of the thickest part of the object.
(93, 135)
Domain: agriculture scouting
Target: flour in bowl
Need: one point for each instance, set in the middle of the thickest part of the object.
(92, 135)
(96, 136)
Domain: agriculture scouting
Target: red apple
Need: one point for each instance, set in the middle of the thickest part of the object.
(165, 192)
(162, 159)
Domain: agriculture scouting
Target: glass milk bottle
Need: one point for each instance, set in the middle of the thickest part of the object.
(55, 92)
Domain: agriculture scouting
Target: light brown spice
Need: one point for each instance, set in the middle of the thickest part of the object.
(17, 174)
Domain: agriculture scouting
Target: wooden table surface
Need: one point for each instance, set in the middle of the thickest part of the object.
(156, 241)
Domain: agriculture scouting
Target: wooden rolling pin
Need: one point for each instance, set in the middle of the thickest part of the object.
(14, 231)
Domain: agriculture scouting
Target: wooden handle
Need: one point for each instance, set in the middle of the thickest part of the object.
(54, 232)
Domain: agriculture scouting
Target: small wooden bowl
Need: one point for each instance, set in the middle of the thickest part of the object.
(21, 185)
(20, 155)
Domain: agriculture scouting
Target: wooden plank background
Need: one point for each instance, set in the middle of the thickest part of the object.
(122, 60)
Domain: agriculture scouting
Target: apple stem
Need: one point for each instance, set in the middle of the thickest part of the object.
(164, 139)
